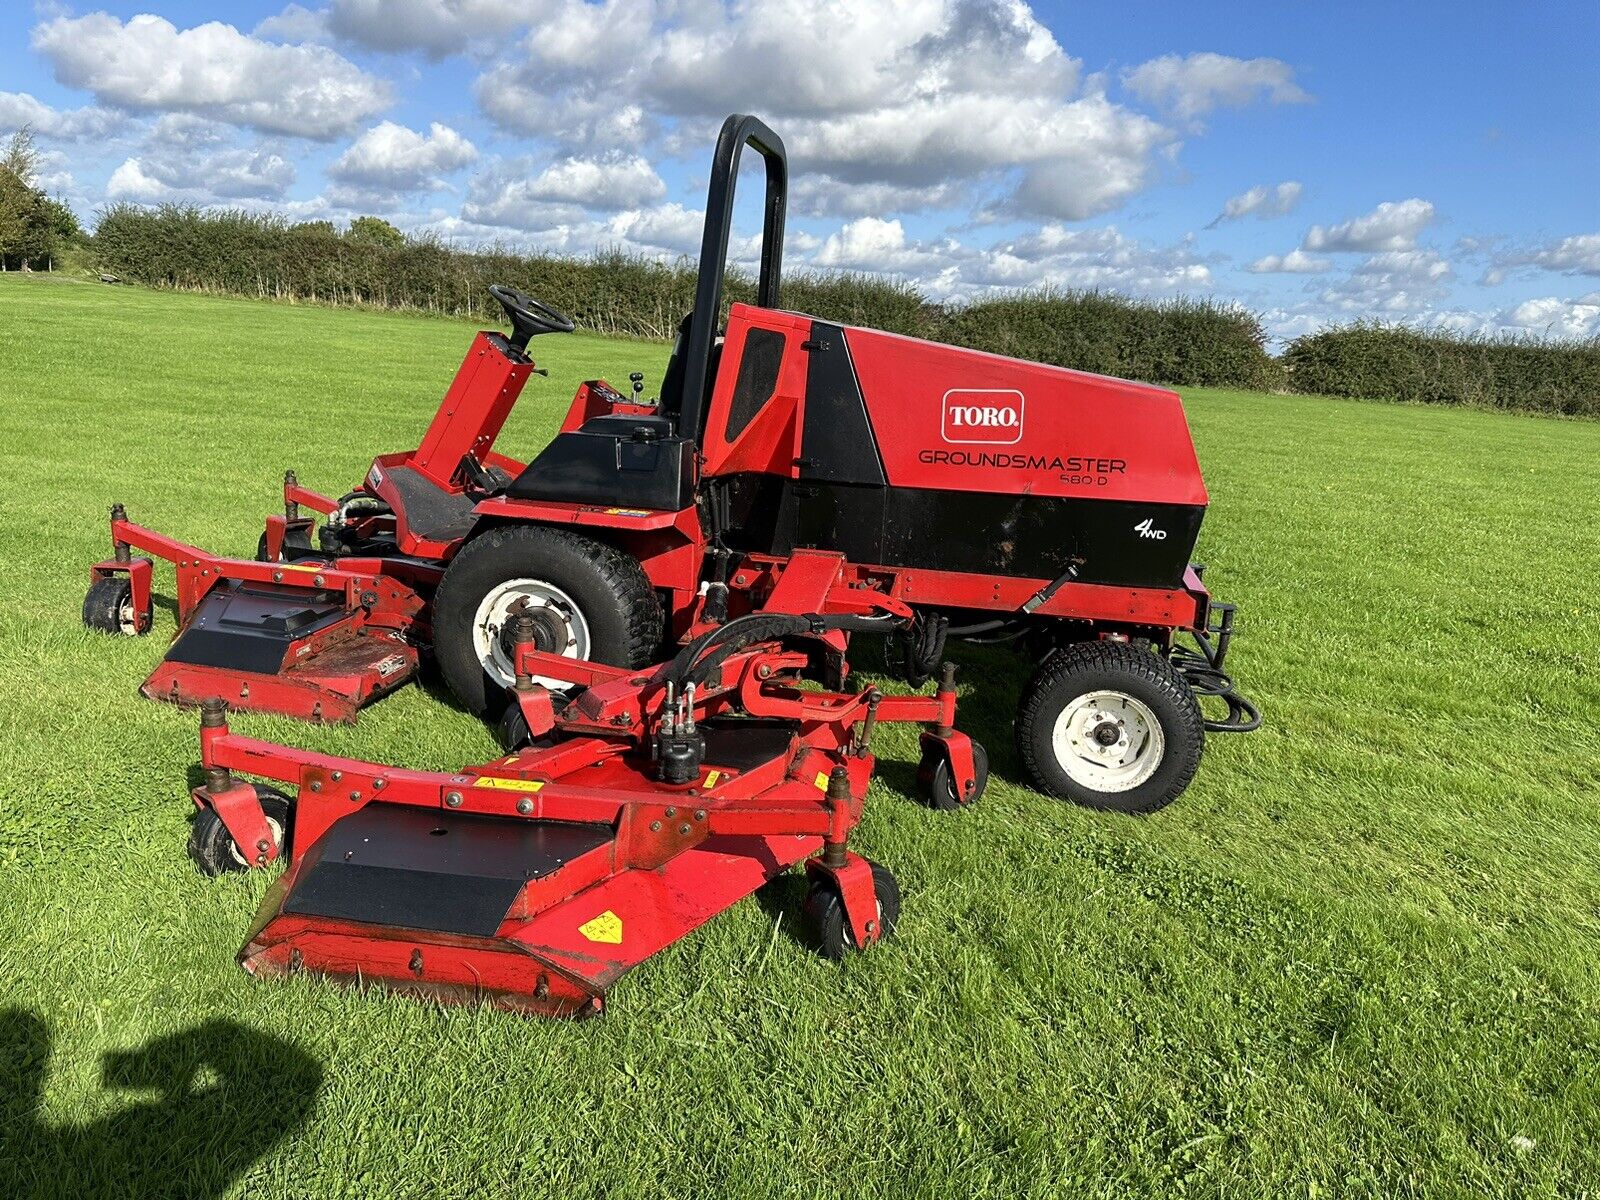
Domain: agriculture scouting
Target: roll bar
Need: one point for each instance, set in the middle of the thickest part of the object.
(738, 131)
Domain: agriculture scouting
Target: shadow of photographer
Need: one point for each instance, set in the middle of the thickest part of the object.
(226, 1095)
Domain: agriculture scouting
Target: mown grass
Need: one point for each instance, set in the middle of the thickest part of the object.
(1358, 958)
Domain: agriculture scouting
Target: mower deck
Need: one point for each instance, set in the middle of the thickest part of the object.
(652, 802)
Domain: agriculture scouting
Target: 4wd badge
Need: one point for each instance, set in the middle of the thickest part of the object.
(987, 415)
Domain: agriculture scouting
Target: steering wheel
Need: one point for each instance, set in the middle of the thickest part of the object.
(529, 317)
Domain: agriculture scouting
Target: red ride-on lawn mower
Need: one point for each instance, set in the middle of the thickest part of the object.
(998, 501)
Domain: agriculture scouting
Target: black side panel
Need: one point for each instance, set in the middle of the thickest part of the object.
(611, 468)
(250, 627)
(837, 444)
(758, 378)
(1031, 537)
(412, 868)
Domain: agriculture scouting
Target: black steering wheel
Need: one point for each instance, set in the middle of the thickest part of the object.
(529, 317)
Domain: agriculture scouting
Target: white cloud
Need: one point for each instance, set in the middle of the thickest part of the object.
(1576, 255)
(395, 158)
(434, 27)
(1189, 88)
(1393, 225)
(1260, 201)
(609, 183)
(955, 98)
(1549, 316)
(1053, 256)
(1296, 262)
(241, 173)
(212, 70)
(296, 23)
(89, 123)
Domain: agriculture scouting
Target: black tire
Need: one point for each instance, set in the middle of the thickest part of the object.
(296, 545)
(1132, 671)
(822, 914)
(108, 608)
(212, 847)
(936, 781)
(608, 587)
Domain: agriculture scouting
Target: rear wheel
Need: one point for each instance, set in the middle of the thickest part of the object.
(1111, 726)
(108, 608)
(587, 600)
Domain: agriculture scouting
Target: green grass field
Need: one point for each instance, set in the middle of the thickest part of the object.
(1361, 957)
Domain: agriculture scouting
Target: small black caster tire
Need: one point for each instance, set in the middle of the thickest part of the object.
(936, 780)
(296, 546)
(823, 918)
(108, 608)
(212, 847)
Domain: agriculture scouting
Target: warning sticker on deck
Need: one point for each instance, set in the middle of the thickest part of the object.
(711, 779)
(607, 928)
(627, 512)
(509, 785)
(821, 781)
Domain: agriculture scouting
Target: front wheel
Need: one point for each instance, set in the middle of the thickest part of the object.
(108, 608)
(587, 600)
(1110, 725)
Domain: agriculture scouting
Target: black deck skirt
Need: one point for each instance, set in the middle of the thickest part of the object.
(426, 869)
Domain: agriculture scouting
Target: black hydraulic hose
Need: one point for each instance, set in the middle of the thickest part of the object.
(696, 661)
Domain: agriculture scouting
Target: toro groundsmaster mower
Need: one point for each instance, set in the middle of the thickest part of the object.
(922, 492)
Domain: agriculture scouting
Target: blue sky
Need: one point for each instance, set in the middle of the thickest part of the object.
(1428, 163)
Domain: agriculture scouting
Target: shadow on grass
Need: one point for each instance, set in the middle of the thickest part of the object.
(224, 1096)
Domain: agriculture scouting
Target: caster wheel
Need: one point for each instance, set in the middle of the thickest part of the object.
(296, 545)
(936, 781)
(212, 847)
(512, 730)
(108, 608)
(823, 913)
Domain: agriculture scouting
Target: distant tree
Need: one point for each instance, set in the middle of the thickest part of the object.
(32, 226)
(315, 227)
(375, 231)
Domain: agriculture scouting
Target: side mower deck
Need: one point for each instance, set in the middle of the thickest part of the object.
(653, 801)
(315, 640)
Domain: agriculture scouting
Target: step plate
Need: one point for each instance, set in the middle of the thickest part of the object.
(426, 869)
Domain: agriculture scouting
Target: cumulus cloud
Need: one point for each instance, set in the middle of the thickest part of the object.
(617, 182)
(433, 27)
(393, 157)
(1393, 225)
(1296, 262)
(1549, 316)
(1576, 255)
(261, 173)
(296, 23)
(936, 97)
(89, 123)
(1191, 87)
(212, 70)
(1260, 201)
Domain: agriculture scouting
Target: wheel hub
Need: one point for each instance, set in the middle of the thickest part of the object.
(559, 627)
(1108, 740)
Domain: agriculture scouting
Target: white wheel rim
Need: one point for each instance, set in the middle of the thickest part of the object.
(496, 609)
(127, 619)
(1082, 740)
(276, 828)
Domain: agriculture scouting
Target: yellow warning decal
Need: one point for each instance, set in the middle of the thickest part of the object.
(607, 928)
(509, 785)
(627, 512)
(821, 781)
(711, 779)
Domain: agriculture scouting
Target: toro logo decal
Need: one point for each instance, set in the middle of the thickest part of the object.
(990, 415)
